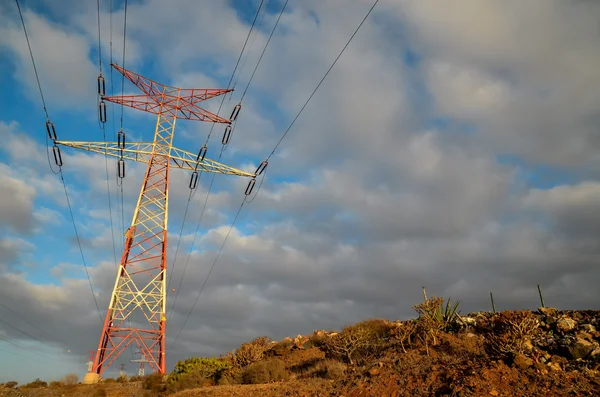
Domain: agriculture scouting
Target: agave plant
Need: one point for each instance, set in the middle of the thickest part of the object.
(448, 314)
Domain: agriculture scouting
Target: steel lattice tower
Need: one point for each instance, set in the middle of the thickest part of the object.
(137, 309)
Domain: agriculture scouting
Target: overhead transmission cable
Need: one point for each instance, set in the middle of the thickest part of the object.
(122, 109)
(101, 93)
(272, 152)
(192, 190)
(208, 193)
(58, 159)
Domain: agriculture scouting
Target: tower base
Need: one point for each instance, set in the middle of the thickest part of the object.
(90, 378)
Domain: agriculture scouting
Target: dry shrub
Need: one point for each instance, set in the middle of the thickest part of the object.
(435, 318)
(55, 384)
(11, 384)
(358, 343)
(154, 382)
(249, 353)
(272, 370)
(109, 380)
(326, 369)
(70, 379)
(232, 377)
(100, 393)
(508, 332)
(402, 334)
(36, 384)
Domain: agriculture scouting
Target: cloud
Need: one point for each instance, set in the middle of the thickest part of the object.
(389, 180)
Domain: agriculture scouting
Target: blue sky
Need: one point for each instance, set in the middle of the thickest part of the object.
(428, 156)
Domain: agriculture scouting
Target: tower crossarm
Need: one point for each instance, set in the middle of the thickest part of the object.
(161, 98)
(142, 152)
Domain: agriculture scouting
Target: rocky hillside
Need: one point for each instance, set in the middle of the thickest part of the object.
(513, 353)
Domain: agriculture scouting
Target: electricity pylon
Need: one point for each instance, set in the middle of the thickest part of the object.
(139, 294)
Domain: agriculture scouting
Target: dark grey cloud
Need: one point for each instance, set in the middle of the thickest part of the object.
(365, 202)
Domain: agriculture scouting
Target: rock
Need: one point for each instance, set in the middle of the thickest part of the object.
(494, 393)
(588, 328)
(554, 367)
(528, 346)
(581, 348)
(595, 354)
(522, 362)
(585, 335)
(550, 320)
(548, 311)
(470, 335)
(374, 371)
(470, 321)
(566, 324)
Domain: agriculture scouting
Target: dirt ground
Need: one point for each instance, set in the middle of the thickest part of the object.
(561, 358)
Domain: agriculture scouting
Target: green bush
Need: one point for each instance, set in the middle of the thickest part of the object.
(195, 371)
(272, 370)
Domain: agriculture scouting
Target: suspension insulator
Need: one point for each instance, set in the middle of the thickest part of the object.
(250, 186)
(102, 111)
(262, 167)
(202, 153)
(51, 130)
(57, 155)
(235, 112)
(226, 135)
(194, 180)
(101, 85)
(121, 168)
(121, 139)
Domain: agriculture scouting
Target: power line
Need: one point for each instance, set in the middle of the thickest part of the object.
(210, 270)
(123, 77)
(323, 79)
(33, 61)
(79, 245)
(278, 143)
(60, 169)
(102, 127)
(264, 49)
(205, 144)
(235, 68)
(220, 155)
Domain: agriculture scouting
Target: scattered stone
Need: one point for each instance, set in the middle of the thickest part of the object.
(581, 348)
(528, 346)
(548, 311)
(588, 328)
(494, 393)
(374, 371)
(566, 324)
(470, 321)
(554, 367)
(522, 362)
